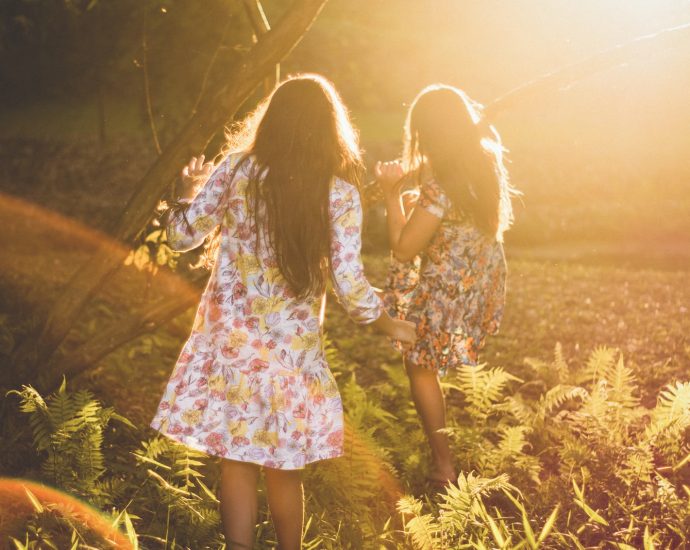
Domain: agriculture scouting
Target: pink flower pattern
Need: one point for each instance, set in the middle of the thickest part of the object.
(252, 382)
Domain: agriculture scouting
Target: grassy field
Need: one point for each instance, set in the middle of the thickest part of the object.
(569, 294)
(639, 312)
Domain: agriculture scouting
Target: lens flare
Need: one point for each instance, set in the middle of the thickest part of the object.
(18, 498)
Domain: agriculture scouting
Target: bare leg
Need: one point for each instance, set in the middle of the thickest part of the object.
(238, 503)
(431, 407)
(286, 502)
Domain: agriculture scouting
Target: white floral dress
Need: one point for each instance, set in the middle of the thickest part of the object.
(252, 383)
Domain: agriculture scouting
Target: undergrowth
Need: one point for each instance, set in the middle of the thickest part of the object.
(566, 457)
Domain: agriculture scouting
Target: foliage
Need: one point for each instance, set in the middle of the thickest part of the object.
(622, 467)
(153, 252)
(68, 431)
(175, 502)
(578, 463)
(164, 493)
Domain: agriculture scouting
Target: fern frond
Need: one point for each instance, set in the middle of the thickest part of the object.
(482, 388)
(599, 362)
(539, 366)
(637, 466)
(622, 384)
(61, 408)
(423, 529)
(672, 412)
(460, 502)
(513, 440)
(597, 406)
(559, 363)
(518, 408)
(556, 397)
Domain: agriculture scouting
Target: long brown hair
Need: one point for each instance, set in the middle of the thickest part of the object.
(300, 138)
(444, 130)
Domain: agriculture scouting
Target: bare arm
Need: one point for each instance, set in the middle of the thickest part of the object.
(407, 237)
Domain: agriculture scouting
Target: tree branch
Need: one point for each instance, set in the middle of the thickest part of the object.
(191, 139)
(147, 87)
(118, 334)
(259, 22)
(601, 61)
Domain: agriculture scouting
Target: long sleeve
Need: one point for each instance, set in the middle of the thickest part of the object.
(353, 290)
(189, 225)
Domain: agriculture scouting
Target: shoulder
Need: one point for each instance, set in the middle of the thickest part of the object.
(233, 172)
(343, 196)
(433, 198)
(238, 164)
(433, 190)
(343, 188)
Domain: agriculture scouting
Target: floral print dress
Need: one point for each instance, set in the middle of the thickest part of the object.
(252, 383)
(454, 292)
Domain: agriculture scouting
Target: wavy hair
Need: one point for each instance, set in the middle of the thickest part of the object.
(294, 144)
(444, 129)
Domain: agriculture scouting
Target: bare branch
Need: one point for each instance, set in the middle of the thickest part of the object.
(209, 68)
(147, 88)
(118, 334)
(259, 22)
(192, 138)
(257, 17)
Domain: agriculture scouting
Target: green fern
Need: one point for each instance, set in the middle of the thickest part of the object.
(600, 361)
(560, 364)
(556, 397)
(482, 388)
(68, 430)
(423, 530)
(673, 408)
(622, 384)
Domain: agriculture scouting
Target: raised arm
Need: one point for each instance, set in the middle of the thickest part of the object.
(191, 221)
(407, 236)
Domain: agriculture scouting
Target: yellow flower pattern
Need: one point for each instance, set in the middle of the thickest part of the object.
(455, 293)
(251, 382)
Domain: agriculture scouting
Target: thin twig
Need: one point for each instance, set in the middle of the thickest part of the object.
(259, 22)
(147, 91)
(207, 73)
(566, 76)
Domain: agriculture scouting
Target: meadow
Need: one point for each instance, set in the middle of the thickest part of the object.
(573, 433)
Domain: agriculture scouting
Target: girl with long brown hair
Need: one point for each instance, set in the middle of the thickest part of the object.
(449, 270)
(252, 385)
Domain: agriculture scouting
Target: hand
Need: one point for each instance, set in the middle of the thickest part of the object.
(379, 292)
(390, 176)
(405, 332)
(193, 173)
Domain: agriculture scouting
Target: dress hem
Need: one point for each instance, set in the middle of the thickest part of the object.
(194, 443)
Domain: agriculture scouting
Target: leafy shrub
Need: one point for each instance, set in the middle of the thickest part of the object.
(567, 458)
(601, 470)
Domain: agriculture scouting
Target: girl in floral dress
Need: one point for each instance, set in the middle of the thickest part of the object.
(251, 384)
(448, 269)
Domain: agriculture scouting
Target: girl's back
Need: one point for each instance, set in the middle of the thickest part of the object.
(255, 352)
(248, 289)
(252, 385)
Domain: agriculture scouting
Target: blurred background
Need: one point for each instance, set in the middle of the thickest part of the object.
(603, 160)
(598, 135)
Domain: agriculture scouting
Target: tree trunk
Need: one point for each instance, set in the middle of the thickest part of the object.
(259, 22)
(115, 336)
(220, 106)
